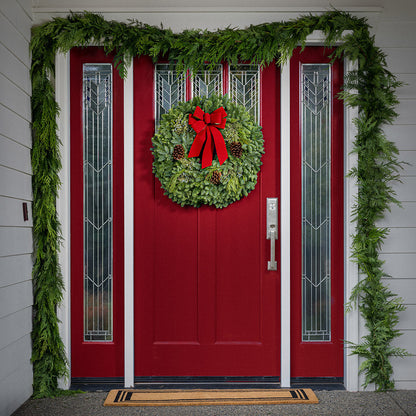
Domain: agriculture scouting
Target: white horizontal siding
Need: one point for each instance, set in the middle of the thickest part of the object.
(15, 326)
(401, 60)
(391, 35)
(12, 266)
(15, 241)
(396, 34)
(15, 297)
(54, 5)
(407, 318)
(17, 16)
(26, 5)
(14, 70)
(404, 216)
(12, 213)
(406, 112)
(404, 371)
(18, 348)
(12, 375)
(15, 98)
(407, 340)
(403, 136)
(16, 247)
(14, 127)
(408, 89)
(13, 40)
(15, 184)
(14, 155)
(406, 261)
(406, 189)
(15, 389)
(404, 288)
(409, 167)
(400, 240)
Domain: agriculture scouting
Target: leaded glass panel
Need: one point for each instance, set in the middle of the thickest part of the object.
(245, 88)
(98, 207)
(207, 82)
(170, 89)
(316, 202)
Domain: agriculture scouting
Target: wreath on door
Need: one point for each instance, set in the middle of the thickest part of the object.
(207, 151)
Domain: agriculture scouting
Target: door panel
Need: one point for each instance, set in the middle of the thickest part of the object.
(205, 304)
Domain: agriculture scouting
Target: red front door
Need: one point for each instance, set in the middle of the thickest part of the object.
(205, 303)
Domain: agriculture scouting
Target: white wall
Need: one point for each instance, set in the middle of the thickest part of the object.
(396, 34)
(394, 23)
(15, 188)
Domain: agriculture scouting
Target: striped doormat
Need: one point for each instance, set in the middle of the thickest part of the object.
(208, 397)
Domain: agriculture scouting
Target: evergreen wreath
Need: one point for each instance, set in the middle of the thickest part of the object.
(183, 178)
(370, 88)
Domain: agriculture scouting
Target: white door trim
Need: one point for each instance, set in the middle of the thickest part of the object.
(285, 224)
(128, 230)
(63, 201)
(351, 275)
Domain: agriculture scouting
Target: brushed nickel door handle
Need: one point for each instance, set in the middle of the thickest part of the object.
(272, 231)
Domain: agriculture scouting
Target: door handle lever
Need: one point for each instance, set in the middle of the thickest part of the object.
(272, 231)
(272, 263)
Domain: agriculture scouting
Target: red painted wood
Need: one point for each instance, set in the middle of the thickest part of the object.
(95, 359)
(205, 304)
(317, 359)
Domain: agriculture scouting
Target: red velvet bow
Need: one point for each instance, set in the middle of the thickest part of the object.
(206, 127)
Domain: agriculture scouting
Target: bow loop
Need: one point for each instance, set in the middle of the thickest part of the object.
(206, 126)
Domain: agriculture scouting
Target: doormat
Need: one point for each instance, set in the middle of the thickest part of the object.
(209, 397)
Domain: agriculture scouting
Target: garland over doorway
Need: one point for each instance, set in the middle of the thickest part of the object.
(370, 88)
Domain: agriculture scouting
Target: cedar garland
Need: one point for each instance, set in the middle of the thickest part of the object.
(371, 88)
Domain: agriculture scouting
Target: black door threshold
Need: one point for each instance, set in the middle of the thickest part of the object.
(207, 382)
(164, 383)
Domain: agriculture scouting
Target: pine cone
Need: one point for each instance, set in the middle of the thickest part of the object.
(236, 149)
(178, 152)
(216, 177)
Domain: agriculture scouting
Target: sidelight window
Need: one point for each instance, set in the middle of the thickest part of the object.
(316, 201)
(98, 207)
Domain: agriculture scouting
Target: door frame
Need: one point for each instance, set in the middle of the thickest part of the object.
(351, 320)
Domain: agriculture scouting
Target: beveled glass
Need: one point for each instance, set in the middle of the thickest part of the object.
(244, 85)
(316, 201)
(98, 206)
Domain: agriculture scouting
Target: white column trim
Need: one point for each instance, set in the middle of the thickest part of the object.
(351, 276)
(285, 224)
(128, 230)
(62, 96)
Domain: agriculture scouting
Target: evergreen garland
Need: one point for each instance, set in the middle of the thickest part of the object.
(377, 168)
(183, 179)
(48, 356)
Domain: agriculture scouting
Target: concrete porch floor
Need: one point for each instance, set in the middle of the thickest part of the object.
(336, 402)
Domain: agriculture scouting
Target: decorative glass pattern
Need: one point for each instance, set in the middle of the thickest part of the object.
(98, 207)
(316, 202)
(170, 89)
(207, 82)
(245, 88)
